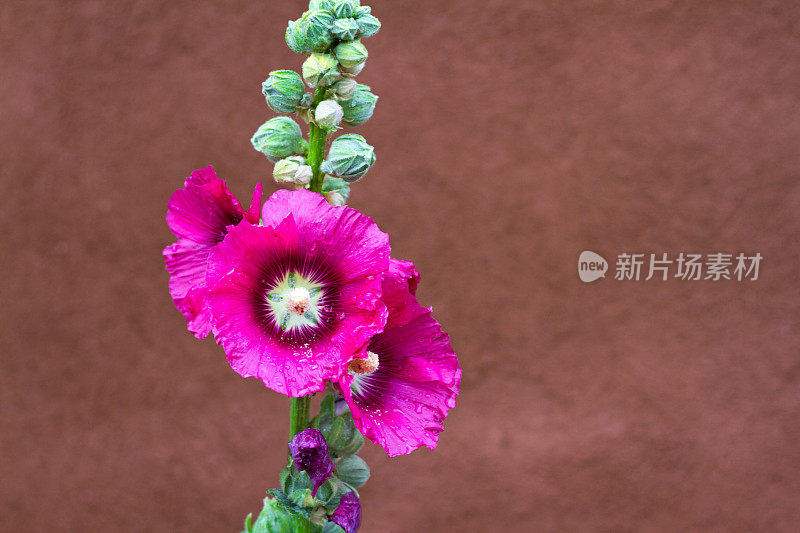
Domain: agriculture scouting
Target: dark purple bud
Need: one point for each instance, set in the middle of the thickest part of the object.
(310, 454)
(348, 514)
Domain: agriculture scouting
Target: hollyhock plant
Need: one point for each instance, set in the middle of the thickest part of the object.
(401, 388)
(301, 292)
(292, 299)
(199, 215)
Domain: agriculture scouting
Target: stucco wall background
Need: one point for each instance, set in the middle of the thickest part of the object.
(510, 137)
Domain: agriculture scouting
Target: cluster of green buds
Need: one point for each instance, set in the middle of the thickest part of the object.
(331, 34)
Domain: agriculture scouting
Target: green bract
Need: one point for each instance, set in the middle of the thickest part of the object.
(350, 54)
(284, 90)
(344, 8)
(361, 11)
(368, 25)
(319, 24)
(278, 138)
(320, 69)
(349, 157)
(346, 29)
(344, 88)
(358, 109)
(328, 114)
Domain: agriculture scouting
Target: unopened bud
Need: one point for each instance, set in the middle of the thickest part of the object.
(328, 114)
(278, 138)
(350, 53)
(320, 69)
(369, 25)
(319, 23)
(346, 29)
(361, 11)
(358, 109)
(297, 37)
(349, 157)
(345, 88)
(283, 90)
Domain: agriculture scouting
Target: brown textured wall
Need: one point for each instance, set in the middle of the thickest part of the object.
(510, 136)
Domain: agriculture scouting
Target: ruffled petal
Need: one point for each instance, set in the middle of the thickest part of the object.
(199, 216)
(402, 405)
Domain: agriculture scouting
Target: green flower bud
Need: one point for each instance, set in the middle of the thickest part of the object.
(343, 9)
(361, 11)
(319, 24)
(336, 191)
(349, 157)
(284, 90)
(352, 470)
(358, 109)
(350, 53)
(297, 37)
(346, 29)
(328, 114)
(278, 138)
(344, 88)
(292, 170)
(326, 5)
(352, 72)
(306, 100)
(368, 25)
(320, 69)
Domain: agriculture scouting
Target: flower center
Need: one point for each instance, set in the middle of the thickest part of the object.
(298, 300)
(362, 366)
(295, 302)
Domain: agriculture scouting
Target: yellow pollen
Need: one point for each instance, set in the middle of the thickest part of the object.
(366, 365)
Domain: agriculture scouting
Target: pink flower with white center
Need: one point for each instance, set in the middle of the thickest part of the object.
(293, 299)
(402, 385)
(199, 215)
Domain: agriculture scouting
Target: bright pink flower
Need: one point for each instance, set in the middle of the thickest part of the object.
(400, 390)
(294, 298)
(199, 215)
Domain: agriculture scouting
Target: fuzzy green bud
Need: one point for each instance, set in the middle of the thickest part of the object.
(344, 88)
(349, 157)
(369, 25)
(297, 37)
(278, 138)
(320, 69)
(358, 109)
(328, 114)
(326, 5)
(284, 90)
(343, 9)
(361, 11)
(350, 53)
(319, 24)
(346, 29)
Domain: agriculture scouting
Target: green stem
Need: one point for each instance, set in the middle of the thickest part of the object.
(299, 409)
(316, 144)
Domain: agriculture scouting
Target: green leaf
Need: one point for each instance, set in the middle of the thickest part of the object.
(286, 479)
(287, 505)
(248, 523)
(273, 519)
(330, 527)
(352, 470)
